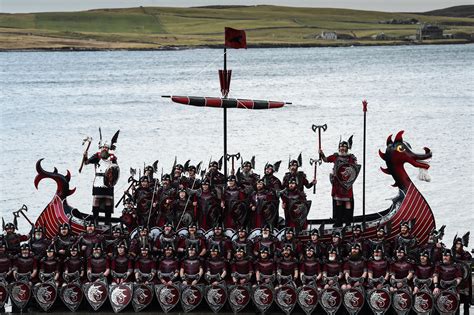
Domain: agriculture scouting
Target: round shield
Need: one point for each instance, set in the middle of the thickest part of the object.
(402, 301)
(216, 296)
(308, 298)
(353, 300)
(286, 298)
(331, 299)
(423, 302)
(191, 296)
(346, 174)
(72, 296)
(239, 297)
(379, 300)
(111, 175)
(263, 297)
(142, 296)
(3, 294)
(168, 296)
(120, 296)
(45, 294)
(20, 294)
(447, 302)
(96, 293)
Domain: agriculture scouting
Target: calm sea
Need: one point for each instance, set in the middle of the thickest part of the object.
(50, 101)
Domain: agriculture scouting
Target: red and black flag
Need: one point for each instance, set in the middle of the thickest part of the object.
(235, 38)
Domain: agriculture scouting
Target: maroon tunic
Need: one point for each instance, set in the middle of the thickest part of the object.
(73, 264)
(338, 191)
(145, 265)
(356, 268)
(25, 264)
(167, 267)
(49, 265)
(310, 267)
(121, 264)
(378, 268)
(424, 271)
(97, 265)
(332, 268)
(400, 269)
(191, 267)
(242, 266)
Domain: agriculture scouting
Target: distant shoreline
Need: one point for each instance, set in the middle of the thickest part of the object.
(259, 46)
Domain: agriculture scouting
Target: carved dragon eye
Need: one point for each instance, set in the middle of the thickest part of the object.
(400, 148)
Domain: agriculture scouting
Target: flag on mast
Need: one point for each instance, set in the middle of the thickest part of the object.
(235, 38)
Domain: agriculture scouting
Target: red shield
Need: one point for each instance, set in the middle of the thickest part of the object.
(286, 297)
(72, 296)
(447, 302)
(45, 294)
(354, 299)
(216, 296)
(239, 297)
(423, 302)
(168, 296)
(142, 296)
(20, 294)
(331, 299)
(263, 297)
(3, 294)
(111, 175)
(120, 296)
(379, 300)
(402, 301)
(346, 174)
(96, 293)
(308, 298)
(191, 296)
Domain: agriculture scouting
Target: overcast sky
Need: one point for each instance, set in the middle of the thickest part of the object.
(16, 6)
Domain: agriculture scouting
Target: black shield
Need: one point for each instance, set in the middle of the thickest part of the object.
(239, 297)
(72, 296)
(308, 298)
(120, 296)
(45, 294)
(142, 296)
(216, 296)
(20, 293)
(96, 293)
(286, 298)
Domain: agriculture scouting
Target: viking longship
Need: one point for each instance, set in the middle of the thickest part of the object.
(408, 205)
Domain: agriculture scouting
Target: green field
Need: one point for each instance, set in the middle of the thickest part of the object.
(164, 27)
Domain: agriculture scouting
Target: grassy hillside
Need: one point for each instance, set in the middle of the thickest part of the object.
(156, 27)
(466, 11)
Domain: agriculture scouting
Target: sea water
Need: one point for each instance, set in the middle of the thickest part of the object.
(51, 101)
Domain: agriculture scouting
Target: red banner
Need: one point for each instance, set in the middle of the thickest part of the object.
(235, 38)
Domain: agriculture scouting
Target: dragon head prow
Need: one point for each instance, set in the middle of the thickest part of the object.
(397, 153)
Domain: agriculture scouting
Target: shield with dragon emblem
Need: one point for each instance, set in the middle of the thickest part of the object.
(353, 300)
(216, 296)
(346, 174)
(142, 296)
(20, 293)
(308, 298)
(239, 297)
(72, 296)
(379, 300)
(191, 297)
(423, 302)
(96, 293)
(3, 294)
(262, 297)
(45, 294)
(447, 302)
(402, 301)
(168, 296)
(120, 296)
(111, 175)
(286, 298)
(331, 299)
